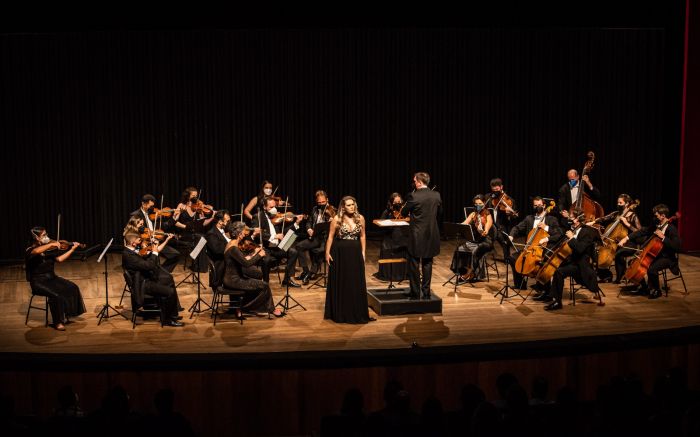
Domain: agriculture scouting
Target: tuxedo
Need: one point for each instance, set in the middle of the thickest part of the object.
(578, 264)
(169, 255)
(158, 282)
(274, 253)
(565, 198)
(524, 228)
(311, 249)
(216, 246)
(422, 206)
(667, 258)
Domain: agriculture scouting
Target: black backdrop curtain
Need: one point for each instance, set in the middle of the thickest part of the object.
(93, 120)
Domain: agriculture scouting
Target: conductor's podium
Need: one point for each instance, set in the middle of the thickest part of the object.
(393, 300)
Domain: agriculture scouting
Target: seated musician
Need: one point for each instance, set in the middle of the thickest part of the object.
(272, 236)
(169, 255)
(394, 242)
(538, 218)
(134, 225)
(63, 296)
(629, 220)
(159, 282)
(191, 224)
(255, 204)
(503, 214)
(568, 193)
(582, 240)
(311, 249)
(466, 260)
(217, 239)
(667, 258)
(239, 276)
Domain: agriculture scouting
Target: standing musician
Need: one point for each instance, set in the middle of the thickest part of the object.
(538, 219)
(582, 240)
(158, 282)
(568, 193)
(192, 220)
(169, 255)
(503, 210)
(255, 204)
(272, 236)
(63, 296)
(667, 258)
(466, 259)
(395, 241)
(629, 220)
(312, 248)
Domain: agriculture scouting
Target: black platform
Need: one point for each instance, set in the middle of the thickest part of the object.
(393, 302)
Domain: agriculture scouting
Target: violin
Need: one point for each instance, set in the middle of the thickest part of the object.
(65, 245)
(503, 202)
(157, 234)
(164, 212)
(651, 249)
(247, 245)
(286, 217)
(201, 208)
(591, 209)
(330, 211)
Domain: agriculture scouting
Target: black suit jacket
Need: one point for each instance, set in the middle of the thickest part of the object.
(565, 195)
(524, 227)
(423, 207)
(583, 246)
(672, 242)
(216, 245)
(140, 268)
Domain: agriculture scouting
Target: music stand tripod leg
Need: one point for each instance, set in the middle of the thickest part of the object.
(284, 302)
(196, 307)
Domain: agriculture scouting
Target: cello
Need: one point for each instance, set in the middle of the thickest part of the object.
(531, 256)
(650, 250)
(611, 236)
(591, 209)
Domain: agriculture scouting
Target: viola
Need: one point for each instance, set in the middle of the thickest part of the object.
(651, 249)
(530, 258)
(503, 202)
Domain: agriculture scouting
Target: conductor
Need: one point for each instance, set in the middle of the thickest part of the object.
(423, 205)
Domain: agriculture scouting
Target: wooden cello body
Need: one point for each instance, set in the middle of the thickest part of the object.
(613, 233)
(559, 255)
(530, 258)
(651, 249)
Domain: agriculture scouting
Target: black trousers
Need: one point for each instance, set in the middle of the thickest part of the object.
(273, 255)
(169, 258)
(164, 290)
(582, 273)
(309, 253)
(418, 287)
(64, 296)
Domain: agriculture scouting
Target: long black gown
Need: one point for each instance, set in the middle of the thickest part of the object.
(64, 296)
(346, 294)
(258, 296)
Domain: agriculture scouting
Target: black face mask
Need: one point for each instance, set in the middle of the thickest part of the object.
(320, 206)
(141, 229)
(396, 206)
(620, 208)
(151, 210)
(657, 221)
(194, 199)
(538, 209)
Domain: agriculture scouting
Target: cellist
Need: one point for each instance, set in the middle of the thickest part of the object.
(581, 241)
(568, 193)
(538, 218)
(667, 258)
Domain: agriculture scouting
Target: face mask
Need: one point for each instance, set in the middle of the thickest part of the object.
(272, 211)
(656, 221)
(620, 208)
(45, 239)
(321, 205)
(267, 191)
(479, 207)
(538, 209)
(150, 210)
(194, 199)
(141, 229)
(397, 206)
(573, 182)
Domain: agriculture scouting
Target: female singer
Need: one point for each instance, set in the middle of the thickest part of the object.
(466, 260)
(394, 242)
(346, 295)
(64, 298)
(239, 275)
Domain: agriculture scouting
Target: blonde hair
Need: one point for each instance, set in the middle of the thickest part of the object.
(341, 209)
(132, 225)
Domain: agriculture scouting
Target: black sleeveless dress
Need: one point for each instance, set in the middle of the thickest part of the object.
(346, 294)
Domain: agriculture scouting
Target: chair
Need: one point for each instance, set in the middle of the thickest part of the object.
(675, 270)
(491, 265)
(45, 308)
(124, 291)
(575, 287)
(150, 304)
(454, 279)
(217, 285)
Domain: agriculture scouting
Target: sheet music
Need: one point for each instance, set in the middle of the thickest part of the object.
(288, 240)
(198, 248)
(389, 222)
(105, 250)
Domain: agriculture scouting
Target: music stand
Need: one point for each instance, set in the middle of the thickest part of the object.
(195, 277)
(321, 229)
(458, 230)
(504, 290)
(196, 307)
(104, 312)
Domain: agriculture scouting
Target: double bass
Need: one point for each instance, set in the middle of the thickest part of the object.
(530, 257)
(591, 209)
(650, 250)
(613, 233)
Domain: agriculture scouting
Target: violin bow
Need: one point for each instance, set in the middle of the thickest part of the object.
(58, 228)
(284, 216)
(260, 226)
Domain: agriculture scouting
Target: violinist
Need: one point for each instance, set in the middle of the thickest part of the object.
(568, 193)
(538, 219)
(64, 298)
(312, 248)
(629, 219)
(240, 276)
(667, 258)
(581, 240)
(272, 236)
(158, 282)
(466, 260)
(255, 204)
(394, 242)
(502, 207)
(217, 239)
(192, 219)
(169, 255)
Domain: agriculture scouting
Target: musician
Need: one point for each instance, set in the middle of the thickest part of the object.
(312, 248)
(169, 255)
(217, 239)
(582, 240)
(394, 242)
(466, 259)
(63, 296)
(255, 204)
(667, 258)
(158, 281)
(538, 218)
(191, 224)
(239, 276)
(502, 219)
(272, 236)
(134, 225)
(568, 193)
(629, 220)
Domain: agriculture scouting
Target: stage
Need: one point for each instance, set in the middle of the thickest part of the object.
(472, 322)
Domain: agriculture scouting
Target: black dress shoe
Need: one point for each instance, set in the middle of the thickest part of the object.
(174, 323)
(654, 294)
(177, 318)
(640, 291)
(543, 298)
(291, 283)
(302, 276)
(372, 319)
(180, 309)
(553, 306)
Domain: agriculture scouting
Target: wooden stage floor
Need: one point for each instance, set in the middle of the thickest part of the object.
(472, 316)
